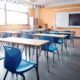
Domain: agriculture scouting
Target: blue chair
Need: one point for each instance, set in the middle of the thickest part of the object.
(4, 34)
(26, 35)
(54, 32)
(10, 35)
(45, 32)
(33, 32)
(70, 37)
(19, 34)
(50, 48)
(58, 40)
(14, 63)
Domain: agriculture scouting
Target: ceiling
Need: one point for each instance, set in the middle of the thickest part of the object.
(49, 3)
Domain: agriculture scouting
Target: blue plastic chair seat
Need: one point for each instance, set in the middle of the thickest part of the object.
(60, 41)
(51, 48)
(24, 66)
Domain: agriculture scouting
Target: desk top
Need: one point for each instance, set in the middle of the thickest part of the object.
(26, 30)
(50, 35)
(61, 32)
(42, 29)
(24, 41)
(13, 32)
(33, 30)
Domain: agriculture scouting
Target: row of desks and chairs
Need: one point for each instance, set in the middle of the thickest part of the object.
(37, 40)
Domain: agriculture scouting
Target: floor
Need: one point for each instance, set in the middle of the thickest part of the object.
(67, 69)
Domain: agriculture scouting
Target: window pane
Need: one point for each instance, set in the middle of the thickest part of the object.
(23, 8)
(2, 4)
(2, 17)
(12, 6)
(23, 18)
(12, 17)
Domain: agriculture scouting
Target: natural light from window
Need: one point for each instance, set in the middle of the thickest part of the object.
(12, 17)
(13, 14)
(2, 17)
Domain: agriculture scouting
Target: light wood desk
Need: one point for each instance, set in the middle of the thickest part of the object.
(51, 35)
(55, 36)
(65, 33)
(40, 30)
(36, 30)
(26, 42)
(14, 33)
(71, 33)
(27, 31)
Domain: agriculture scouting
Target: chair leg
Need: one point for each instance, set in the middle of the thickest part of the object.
(23, 76)
(58, 55)
(53, 56)
(5, 75)
(33, 52)
(37, 73)
(39, 53)
(12, 76)
(16, 76)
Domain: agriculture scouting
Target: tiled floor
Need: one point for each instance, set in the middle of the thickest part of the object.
(68, 69)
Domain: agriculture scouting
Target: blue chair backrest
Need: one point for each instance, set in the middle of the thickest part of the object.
(55, 40)
(43, 47)
(54, 32)
(45, 32)
(68, 35)
(25, 35)
(19, 34)
(67, 31)
(10, 35)
(33, 32)
(12, 58)
(4, 34)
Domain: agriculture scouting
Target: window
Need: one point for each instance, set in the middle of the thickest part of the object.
(23, 8)
(23, 18)
(12, 17)
(2, 17)
(2, 4)
(13, 14)
(2, 13)
(12, 6)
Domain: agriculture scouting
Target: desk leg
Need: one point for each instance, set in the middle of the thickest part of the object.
(25, 51)
(29, 53)
(62, 50)
(47, 58)
(37, 63)
(71, 46)
(65, 44)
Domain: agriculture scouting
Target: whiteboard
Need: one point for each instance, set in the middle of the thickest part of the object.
(62, 19)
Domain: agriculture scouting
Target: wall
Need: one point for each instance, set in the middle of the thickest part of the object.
(47, 15)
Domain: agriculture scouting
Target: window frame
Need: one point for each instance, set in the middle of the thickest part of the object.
(18, 17)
